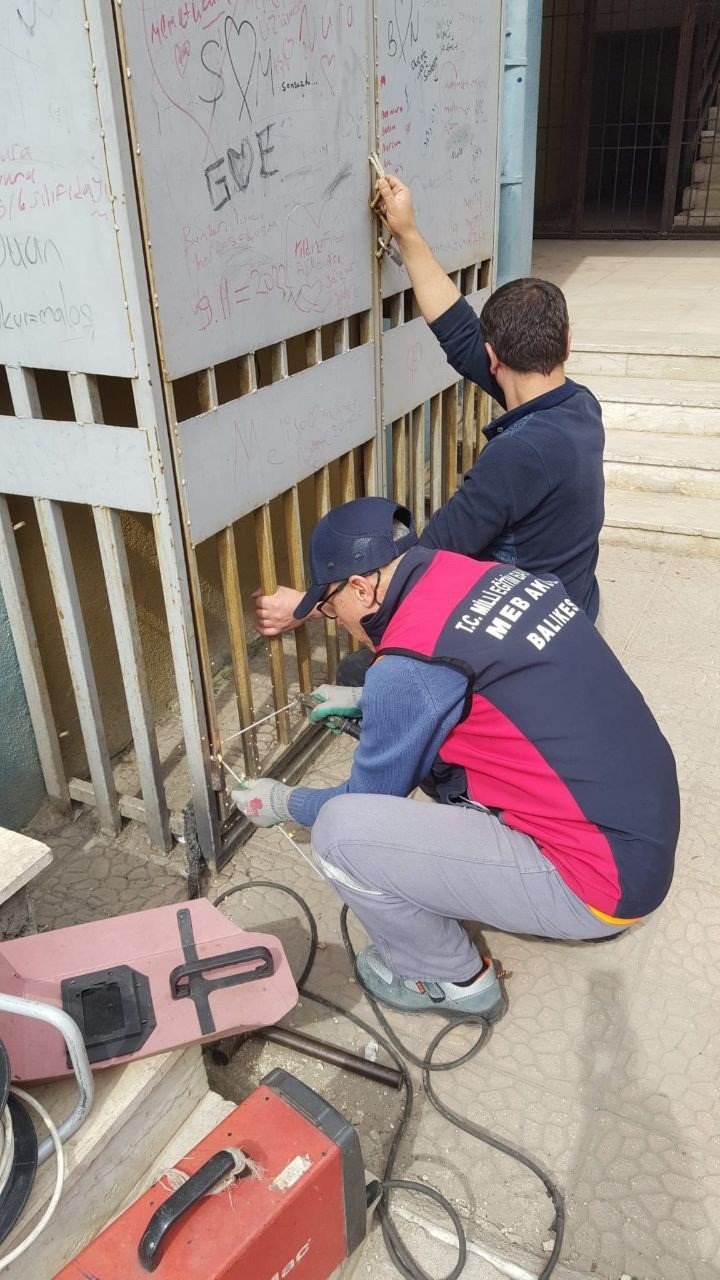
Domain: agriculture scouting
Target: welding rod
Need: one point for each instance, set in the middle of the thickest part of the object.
(224, 1050)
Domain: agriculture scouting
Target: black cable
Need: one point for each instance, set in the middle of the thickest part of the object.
(400, 1254)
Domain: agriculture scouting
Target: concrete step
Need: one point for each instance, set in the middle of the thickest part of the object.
(666, 463)
(658, 405)
(709, 146)
(706, 171)
(663, 522)
(138, 1109)
(702, 199)
(645, 355)
(697, 219)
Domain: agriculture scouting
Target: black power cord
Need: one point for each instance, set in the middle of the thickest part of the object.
(401, 1256)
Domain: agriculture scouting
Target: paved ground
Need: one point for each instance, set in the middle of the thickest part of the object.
(668, 289)
(605, 1067)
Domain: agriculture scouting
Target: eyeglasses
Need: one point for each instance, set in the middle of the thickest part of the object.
(332, 613)
(322, 604)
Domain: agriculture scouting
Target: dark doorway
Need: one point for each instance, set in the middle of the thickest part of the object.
(628, 94)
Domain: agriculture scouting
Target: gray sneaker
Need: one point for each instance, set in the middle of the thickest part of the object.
(484, 998)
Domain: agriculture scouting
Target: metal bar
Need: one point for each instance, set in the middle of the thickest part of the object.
(108, 527)
(435, 453)
(369, 452)
(234, 612)
(417, 433)
(482, 417)
(248, 374)
(268, 582)
(618, 147)
(636, 113)
(399, 461)
(85, 397)
(322, 506)
(680, 102)
(347, 491)
(30, 662)
(23, 392)
(583, 115)
(207, 390)
(313, 347)
(154, 420)
(468, 425)
(450, 439)
(67, 599)
(347, 476)
(293, 539)
(311, 1047)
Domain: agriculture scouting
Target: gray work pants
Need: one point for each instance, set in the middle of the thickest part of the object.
(411, 870)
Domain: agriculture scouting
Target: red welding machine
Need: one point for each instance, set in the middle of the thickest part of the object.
(296, 1214)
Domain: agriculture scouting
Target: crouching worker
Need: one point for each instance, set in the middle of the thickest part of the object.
(558, 807)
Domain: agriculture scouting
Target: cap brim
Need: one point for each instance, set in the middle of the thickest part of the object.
(310, 600)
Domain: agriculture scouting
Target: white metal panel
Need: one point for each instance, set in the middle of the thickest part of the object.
(251, 125)
(107, 466)
(414, 364)
(61, 290)
(242, 454)
(439, 63)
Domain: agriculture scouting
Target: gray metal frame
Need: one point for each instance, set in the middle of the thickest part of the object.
(402, 395)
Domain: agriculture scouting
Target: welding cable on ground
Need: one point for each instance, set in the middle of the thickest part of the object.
(7, 1149)
(405, 1262)
(59, 1180)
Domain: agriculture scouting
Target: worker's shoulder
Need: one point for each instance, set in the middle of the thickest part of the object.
(406, 667)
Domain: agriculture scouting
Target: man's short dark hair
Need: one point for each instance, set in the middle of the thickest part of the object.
(526, 323)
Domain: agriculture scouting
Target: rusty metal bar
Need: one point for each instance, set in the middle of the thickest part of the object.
(399, 460)
(293, 539)
(224, 1051)
(322, 506)
(268, 582)
(450, 440)
(436, 424)
(232, 593)
(417, 448)
(468, 425)
(482, 417)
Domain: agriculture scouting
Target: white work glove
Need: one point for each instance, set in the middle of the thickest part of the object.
(264, 802)
(336, 700)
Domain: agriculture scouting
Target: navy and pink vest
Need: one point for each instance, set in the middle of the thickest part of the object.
(554, 735)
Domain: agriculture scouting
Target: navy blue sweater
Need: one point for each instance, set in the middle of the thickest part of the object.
(535, 496)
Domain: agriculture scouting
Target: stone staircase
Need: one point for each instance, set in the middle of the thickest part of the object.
(701, 200)
(662, 417)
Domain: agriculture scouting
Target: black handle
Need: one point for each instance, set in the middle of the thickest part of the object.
(152, 1245)
(182, 973)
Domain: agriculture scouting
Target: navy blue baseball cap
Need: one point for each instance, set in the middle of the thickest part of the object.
(354, 538)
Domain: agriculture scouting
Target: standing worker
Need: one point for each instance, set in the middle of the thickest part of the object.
(535, 495)
(558, 807)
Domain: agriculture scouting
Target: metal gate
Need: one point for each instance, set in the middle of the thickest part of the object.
(231, 355)
(628, 117)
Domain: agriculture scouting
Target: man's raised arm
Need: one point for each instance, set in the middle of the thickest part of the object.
(449, 315)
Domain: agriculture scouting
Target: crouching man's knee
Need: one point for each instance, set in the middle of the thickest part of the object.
(337, 844)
